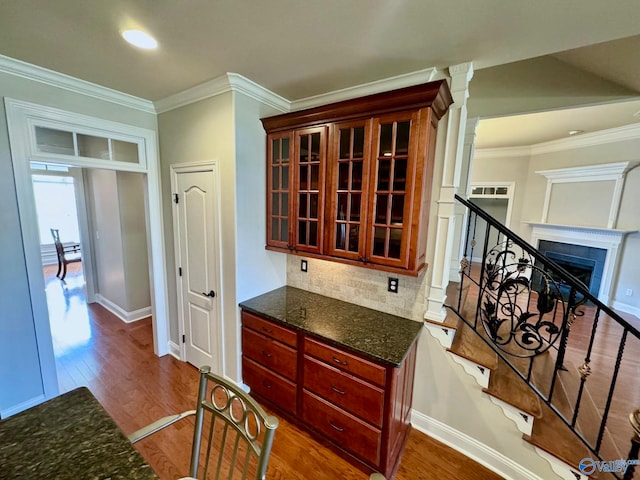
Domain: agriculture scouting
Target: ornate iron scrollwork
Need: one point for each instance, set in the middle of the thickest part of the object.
(521, 305)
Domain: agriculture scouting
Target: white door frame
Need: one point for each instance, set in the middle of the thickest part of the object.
(21, 116)
(218, 330)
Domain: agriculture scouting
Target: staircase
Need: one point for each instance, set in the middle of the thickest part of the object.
(562, 365)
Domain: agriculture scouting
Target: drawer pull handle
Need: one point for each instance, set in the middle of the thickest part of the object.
(340, 429)
(267, 354)
(267, 384)
(337, 390)
(268, 330)
(341, 362)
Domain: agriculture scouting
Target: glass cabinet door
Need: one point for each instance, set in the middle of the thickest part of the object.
(279, 173)
(348, 187)
(310, 156)
(391, 187)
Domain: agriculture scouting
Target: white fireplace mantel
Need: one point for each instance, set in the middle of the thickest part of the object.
(608, 239)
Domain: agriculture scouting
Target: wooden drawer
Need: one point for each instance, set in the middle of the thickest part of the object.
(271, 354)
(273, 387)
(349, 432)
(345, 361)
(266, 327)
(348, 392)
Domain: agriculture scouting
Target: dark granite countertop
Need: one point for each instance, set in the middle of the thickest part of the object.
(68, 437)
(380, 336)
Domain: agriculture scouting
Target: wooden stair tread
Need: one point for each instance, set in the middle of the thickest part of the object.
(554, 437)
(467, 344)
(506, 385)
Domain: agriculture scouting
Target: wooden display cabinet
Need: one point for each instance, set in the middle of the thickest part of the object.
(372, 173)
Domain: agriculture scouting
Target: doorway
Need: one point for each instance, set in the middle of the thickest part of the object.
(81, 141)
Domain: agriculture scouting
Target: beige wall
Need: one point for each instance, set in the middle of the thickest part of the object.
(120, 238)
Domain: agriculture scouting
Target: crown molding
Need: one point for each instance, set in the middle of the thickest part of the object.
(225, 83)
(35, 73)
(587, 173)
(378, 86)
(601, 137)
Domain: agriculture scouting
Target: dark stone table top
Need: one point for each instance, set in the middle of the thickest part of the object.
(383, 337)
(68, 437)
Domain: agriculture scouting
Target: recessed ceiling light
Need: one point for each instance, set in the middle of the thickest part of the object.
(575, 132)
(140, 39)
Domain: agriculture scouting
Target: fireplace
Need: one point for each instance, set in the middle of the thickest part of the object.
(590, 252)
(583, 262)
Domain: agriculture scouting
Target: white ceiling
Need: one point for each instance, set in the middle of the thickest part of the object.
(299, 48)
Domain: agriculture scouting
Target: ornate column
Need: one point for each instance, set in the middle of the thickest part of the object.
(446, 210)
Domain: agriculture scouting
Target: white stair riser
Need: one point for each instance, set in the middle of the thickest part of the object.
(480, 373)
(523, 420)
(443, 334)
(561, 468)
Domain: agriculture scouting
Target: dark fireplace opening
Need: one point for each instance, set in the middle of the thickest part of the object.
(584, 263)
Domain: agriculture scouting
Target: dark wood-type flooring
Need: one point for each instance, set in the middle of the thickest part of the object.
(116, 361)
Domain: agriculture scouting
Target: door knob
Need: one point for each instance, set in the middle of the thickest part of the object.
(210, 294)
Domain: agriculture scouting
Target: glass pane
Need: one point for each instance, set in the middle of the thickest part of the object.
(384, 170)
(477, 191)
(275, 178)
(285, 204)
(124, 151)
(354, 214)
(395, 241)
(285, 150)
(315, 147)
(400, 174)
(358, 142)
(356, 176)
(274, 229)
(340, 236)
(304, 147)
(397, 209)
(489, 191)
(284, 229)
(54, 141)
(382, 202)
(342, 206)
(302, 233)
(354, 237)
(386, 135)
(275, 151)
(313, 234)
(315, 176)
(345, 143)
(501, 190)
(302, 206)
(343, 176)
(402, 138)
(304, 177)
(93, 147)
(379, 241)
(275, 204)
(313, 205)
(285, 178)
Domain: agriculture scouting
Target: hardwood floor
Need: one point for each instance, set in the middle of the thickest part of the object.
(116, 362)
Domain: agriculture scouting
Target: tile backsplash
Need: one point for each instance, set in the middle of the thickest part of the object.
(362, 286)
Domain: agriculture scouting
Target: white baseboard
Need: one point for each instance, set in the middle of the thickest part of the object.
(32, 402)
(472, 448)
(174, 350)
(127, 317)
(625, 307)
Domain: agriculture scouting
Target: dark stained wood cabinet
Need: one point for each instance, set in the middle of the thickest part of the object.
(362, 175)
(360, 406)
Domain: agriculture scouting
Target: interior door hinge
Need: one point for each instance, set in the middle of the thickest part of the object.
(180, 271)
(175, 197)
(184, 339)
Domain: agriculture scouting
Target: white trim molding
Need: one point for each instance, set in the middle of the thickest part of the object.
(472, 448)
(615, 172)
(121, 313)
(18, 68)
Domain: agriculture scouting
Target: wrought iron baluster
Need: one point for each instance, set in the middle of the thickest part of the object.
(482, 280)
(611, 389)
(585, 369)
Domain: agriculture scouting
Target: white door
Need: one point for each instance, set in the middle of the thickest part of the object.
(196, 220)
